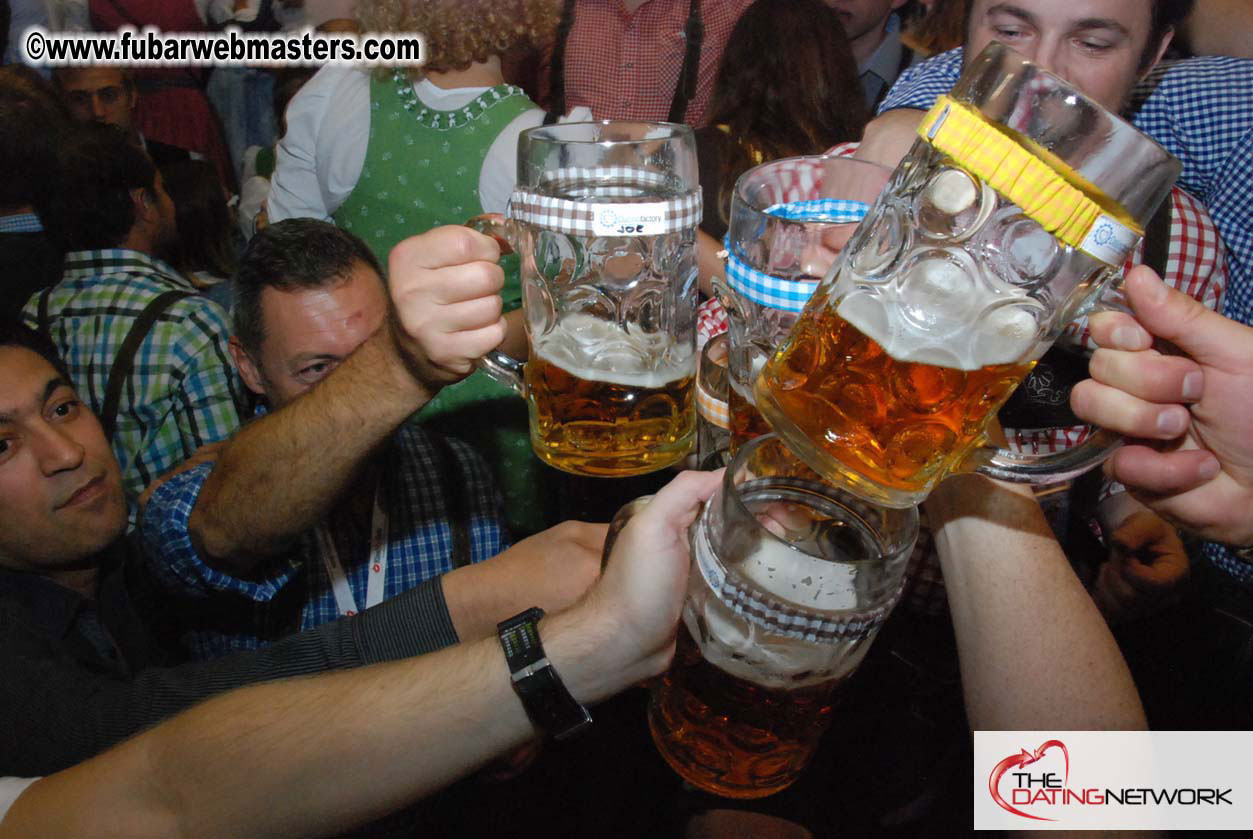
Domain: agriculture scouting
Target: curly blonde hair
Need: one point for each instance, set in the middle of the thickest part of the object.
(459, 33)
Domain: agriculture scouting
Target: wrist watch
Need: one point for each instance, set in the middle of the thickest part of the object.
(544, 696)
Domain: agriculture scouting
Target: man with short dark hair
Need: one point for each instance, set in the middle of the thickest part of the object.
(332, 501)
(107, 94)
(171, 389)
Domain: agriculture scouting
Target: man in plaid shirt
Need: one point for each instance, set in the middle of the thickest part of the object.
(109, 209)
(332, 501)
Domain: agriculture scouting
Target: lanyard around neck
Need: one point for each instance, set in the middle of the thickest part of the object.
(377, 571)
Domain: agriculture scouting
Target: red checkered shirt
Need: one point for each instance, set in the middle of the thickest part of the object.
(1195, 264)
(625, 65)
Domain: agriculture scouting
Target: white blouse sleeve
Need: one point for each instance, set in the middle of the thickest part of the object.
(10, 789)
(500, 167)
(319, 159)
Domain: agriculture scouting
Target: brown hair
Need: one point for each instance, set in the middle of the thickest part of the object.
(787, 85)
(1164, 16)
(459, 33)
(938, 30)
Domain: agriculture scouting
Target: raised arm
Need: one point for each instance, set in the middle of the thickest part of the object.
(276, 478)
(1035, 653)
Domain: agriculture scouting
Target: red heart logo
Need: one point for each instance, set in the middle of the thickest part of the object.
(1024, 758)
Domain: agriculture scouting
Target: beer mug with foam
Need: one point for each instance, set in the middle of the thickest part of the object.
(789, 220)
(604, 217)
(1016, 207)
(791, 580)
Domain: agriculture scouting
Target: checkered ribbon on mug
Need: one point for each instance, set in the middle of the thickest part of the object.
(712, 408)
(758, 607)
(775, 292)
(612, 212)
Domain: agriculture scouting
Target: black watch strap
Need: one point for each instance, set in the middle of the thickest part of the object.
(547, 701)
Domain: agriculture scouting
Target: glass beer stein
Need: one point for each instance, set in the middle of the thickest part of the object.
(789, 219)
(604, 217)
(791, 580)
(1016, 207)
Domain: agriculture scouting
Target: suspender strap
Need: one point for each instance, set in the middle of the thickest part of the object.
(1157, 236)
(43, 312)
(685, 89)
(124, 362)
(557, 67)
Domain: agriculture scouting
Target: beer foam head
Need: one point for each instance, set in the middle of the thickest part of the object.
(601, 351)
(745, 647)
(941, 313)
(794, 576)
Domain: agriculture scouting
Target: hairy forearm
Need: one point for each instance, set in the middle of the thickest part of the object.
(270, 760)
(278, 476)
(1035, 652)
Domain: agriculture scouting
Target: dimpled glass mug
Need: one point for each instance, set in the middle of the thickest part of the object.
(1016, 207)
(789, 219)
(791, 580)
(604, 217)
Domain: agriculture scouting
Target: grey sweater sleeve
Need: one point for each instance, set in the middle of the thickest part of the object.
(55, 711)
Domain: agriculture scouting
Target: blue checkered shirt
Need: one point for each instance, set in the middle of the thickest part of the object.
(293, 592)
(182, 391)
(1200, 111)
(21, 223)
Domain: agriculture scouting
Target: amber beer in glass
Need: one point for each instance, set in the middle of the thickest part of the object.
(609, 423)
(604, 218)
(747, 423)
(1013, 212)
(867, 416)
(791, 579)
(789, 218)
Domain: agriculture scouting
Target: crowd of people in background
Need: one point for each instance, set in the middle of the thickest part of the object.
(243, 438)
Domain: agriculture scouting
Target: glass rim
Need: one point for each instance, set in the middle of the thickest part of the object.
(996, 51)
(731, 495)
(739, 196)
(549, 134)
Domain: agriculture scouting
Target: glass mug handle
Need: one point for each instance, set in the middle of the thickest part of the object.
(505, 369)
(1006, 465)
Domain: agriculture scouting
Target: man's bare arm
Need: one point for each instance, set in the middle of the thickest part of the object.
(1035, 652)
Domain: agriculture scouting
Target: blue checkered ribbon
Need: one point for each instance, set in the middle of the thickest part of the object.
(765, 290)
(830, 210)
(774, 292)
